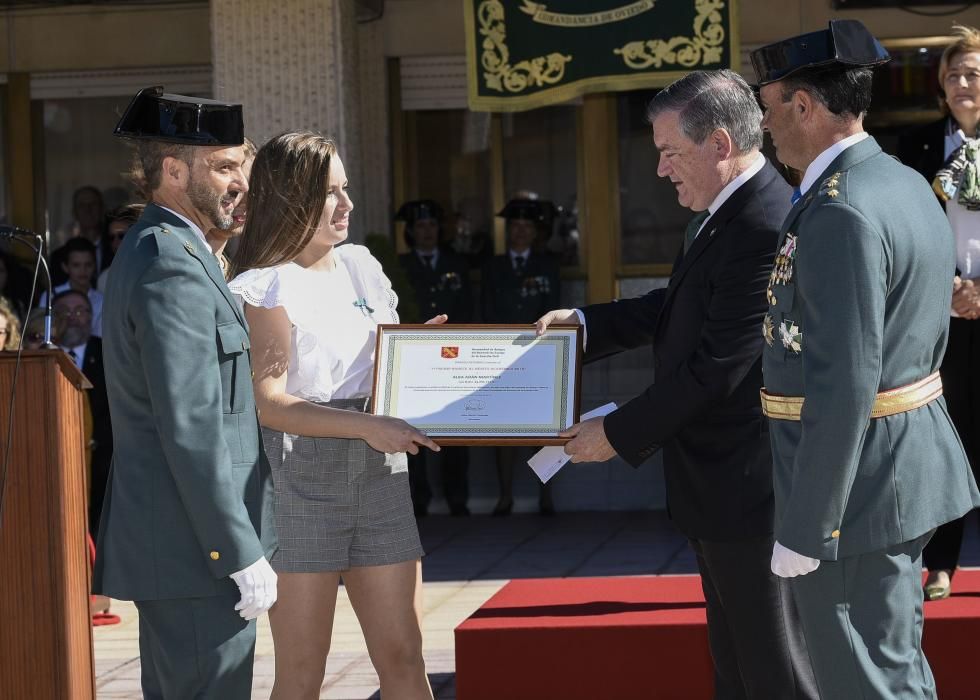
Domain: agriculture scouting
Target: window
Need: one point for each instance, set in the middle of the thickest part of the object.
(540, 154)
(452, 166)
(79, 149)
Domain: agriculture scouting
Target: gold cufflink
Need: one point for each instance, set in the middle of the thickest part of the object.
(215, 556)
(835, 534)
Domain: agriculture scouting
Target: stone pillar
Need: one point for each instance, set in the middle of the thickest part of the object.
(307, 64)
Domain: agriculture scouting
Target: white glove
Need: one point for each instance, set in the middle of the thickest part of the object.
(257, 584)
(786, 563)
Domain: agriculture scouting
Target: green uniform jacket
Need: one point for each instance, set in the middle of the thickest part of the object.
(190, 495)
(860, 298)
(444, 290)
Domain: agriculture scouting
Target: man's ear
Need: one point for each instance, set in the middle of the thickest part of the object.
(722, 144)
(804, 105)
(174, 171)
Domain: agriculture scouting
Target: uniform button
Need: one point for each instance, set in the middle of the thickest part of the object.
(253, 375)
(244, 346)
(835, 534)
(215, 556)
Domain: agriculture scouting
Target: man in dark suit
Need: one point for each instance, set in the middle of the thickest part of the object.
(73, 310)
(703, 408)
(441, 284)
(187, 524)
(517, 287)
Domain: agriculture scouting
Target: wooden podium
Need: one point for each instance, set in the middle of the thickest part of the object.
(45, 623)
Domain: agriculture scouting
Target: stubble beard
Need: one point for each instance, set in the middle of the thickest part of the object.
(208, 202)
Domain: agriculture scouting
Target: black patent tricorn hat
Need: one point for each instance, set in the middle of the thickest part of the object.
(846, 42)
(537, 210)
(195, 121)
(419, 209)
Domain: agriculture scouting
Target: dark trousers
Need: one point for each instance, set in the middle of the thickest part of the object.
(961, 388)
(753, 629)
(453, 463)
(862, 618)
(195, 649)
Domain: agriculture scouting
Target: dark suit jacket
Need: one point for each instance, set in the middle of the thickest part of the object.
(94, 371)
(703, 408)
(509, 297)
(444, 290)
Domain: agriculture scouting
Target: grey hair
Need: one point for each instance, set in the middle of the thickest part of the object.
(712, 99)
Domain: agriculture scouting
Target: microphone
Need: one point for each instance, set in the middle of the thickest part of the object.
(21, 235)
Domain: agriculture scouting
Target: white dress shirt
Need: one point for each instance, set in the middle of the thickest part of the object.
(432, 255)
(79, 354)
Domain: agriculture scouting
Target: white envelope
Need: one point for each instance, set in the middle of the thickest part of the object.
(548, 460)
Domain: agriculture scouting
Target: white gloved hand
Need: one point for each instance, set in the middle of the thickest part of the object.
(786, 563)
(257, 584)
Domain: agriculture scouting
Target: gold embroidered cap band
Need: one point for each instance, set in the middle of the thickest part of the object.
(887, 403)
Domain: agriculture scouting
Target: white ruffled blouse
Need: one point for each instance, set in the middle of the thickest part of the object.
(334, 316)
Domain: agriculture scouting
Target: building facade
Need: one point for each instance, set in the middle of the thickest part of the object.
(392, 90)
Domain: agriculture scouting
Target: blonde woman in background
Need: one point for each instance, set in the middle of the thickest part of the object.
(946, 152)
(9, 327)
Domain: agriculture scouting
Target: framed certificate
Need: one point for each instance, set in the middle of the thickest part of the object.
(480, 384)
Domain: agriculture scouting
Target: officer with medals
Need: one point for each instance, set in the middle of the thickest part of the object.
(520, 286)
(866, 460)
(440, 280)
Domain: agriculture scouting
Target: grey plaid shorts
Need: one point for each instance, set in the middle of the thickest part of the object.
(339, 503)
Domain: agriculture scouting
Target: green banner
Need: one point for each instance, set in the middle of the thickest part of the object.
(522, 54)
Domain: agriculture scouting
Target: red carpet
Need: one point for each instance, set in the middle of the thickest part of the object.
(645, 637)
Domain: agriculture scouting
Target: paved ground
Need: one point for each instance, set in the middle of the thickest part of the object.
(468, 560)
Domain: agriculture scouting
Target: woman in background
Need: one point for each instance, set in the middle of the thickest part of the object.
(943, 152)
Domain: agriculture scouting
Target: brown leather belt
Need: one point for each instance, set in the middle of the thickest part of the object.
(887, 403)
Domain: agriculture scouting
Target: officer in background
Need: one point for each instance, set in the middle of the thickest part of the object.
(866, 462)
(520, 286)
(441, 283)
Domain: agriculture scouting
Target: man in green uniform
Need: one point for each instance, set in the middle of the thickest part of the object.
(520, 286)
(866, 460)
(187, 524)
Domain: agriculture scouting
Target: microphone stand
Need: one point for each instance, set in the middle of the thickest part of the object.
(20, 235)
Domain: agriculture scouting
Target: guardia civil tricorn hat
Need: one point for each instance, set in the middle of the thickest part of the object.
(419, 209)
(537, 210)
(159, 116)
(846, 42)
